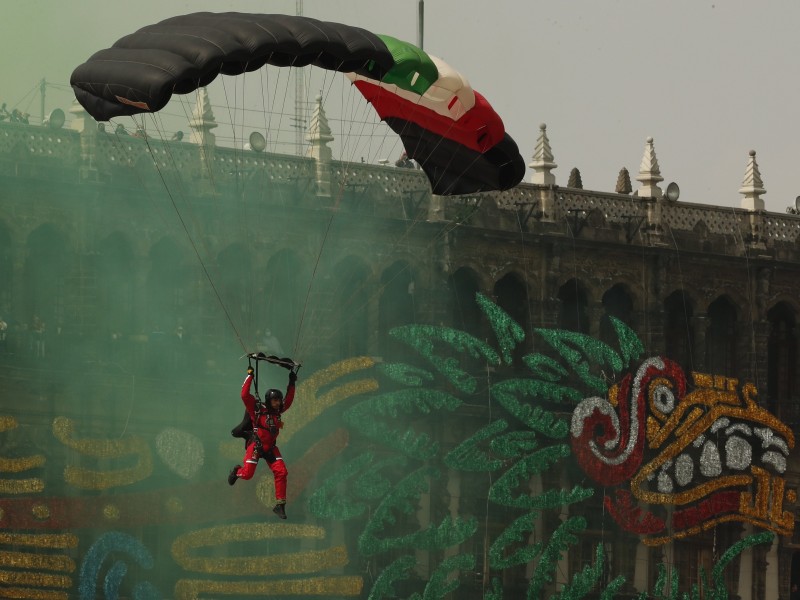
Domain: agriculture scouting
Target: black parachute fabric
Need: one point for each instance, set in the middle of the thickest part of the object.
(142, 71)
(455, 169)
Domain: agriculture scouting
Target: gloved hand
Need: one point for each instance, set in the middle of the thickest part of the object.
(250, 370)
(292, 377)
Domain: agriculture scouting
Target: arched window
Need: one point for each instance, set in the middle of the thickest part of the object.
(45, 277)
(782, 363)
(6, 271)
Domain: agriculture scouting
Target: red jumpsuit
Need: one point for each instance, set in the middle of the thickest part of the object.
(266, 425)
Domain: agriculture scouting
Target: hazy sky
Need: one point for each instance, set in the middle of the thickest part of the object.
(708, 80)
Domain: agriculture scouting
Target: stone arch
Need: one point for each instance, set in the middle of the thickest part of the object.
(789, 300)
(478, 271)
(45, 276)
(7, 283)
(782, 362)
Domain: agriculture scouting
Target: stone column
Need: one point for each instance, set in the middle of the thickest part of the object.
(757, 351)
(201, 124)
(87, 127)
(699, 324)
(596, 312)
(745, 585)
(641, 572)
(771, 575)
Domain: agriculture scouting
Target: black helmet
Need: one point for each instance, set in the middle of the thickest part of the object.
(273, 394)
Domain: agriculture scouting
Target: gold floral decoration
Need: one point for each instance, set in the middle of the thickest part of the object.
(63, 429)
(19, 465)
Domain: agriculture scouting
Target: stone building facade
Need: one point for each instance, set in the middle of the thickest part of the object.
(106, 237)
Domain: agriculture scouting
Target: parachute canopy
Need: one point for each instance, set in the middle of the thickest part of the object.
(447, 127)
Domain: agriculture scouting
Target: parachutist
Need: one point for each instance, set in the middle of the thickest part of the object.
(260, 427)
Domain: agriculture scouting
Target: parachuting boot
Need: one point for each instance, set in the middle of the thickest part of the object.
(232, 476)
(280, 509)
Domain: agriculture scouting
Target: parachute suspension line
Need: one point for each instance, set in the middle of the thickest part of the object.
(194, 246)
(266, 115)
(311, 282)
(484, 566)
(327, 86)
(750, 298)
(255, 375)
(525, 265)
(209, 170)
(425, 251)
(363, 123)
(340, 192)
(238, 161)
(441, 138)
(575, 275)
(646, 323)
(117, 143)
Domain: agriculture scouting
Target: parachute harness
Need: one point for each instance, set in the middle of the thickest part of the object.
(274, 421)
(250, 360)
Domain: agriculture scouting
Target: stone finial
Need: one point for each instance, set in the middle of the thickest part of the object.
(575, 180)
(752, 185)
(542, 162)
(318, 135)
(319, 132)
(81, 120)
(649, 173)
(623, 182)
(202, 120)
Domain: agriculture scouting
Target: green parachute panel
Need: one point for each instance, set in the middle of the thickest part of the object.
(413, 69)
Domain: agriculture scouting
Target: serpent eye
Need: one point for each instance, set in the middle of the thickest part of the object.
(662, 398)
